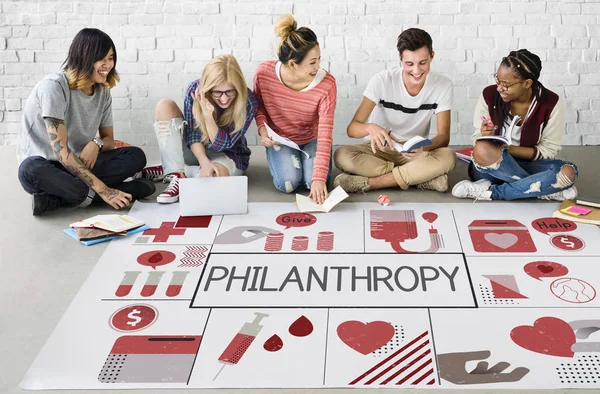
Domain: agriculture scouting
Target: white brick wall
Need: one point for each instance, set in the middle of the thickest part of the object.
(164, 44)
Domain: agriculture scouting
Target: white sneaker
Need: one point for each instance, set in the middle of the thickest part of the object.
(477, 190)
(171, 193)
(567, 194)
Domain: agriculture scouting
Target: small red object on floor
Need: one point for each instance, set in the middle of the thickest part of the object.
(383, 200)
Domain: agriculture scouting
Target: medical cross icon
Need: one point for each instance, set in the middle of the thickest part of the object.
(165, 230)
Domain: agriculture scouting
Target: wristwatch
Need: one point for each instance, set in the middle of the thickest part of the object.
(99, 142)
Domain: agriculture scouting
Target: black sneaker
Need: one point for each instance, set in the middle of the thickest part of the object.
(43, 202)
(138, 188)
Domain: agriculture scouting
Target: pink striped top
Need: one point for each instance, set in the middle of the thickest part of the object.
(300, 116)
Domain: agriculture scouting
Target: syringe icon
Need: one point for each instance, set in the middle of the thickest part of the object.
(241, 342)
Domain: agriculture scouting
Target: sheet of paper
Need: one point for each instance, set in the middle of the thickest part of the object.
(283, 141)
(306, 204)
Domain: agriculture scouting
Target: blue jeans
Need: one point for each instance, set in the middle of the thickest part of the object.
(515, 178)
(290, 168)
(40, 175)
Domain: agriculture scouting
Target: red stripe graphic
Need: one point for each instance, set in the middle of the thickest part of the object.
(389, 358)
(405, 363)
(409, 365)
(423, 377)
(410, 375)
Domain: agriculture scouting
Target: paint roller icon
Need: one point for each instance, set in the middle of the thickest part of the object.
(241, 342)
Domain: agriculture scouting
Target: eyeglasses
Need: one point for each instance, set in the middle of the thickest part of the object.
(216, 94)
(504, 85)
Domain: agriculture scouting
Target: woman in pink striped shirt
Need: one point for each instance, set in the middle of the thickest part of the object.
(297, 101)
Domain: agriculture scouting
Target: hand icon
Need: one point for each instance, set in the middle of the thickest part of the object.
(236, 235)
(583, 329)
(452, 369)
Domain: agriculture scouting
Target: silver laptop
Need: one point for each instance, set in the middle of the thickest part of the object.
(226, 195)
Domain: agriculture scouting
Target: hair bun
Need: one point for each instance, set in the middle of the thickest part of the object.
(285, 26)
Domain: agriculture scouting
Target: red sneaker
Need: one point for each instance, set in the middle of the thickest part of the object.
(154, 173)
(171, 193)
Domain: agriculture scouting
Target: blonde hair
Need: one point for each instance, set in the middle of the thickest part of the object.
(221, 69)
(78, 80)
(294, 42)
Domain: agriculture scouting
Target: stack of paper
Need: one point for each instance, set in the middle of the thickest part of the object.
(103, 228)
(568, 210)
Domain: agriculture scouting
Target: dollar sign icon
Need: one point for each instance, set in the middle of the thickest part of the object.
(133, 317)
(567, 243)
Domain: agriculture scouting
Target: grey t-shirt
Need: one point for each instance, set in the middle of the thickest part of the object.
(83, 116)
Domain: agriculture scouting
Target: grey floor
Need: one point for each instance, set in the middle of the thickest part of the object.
(41, 270)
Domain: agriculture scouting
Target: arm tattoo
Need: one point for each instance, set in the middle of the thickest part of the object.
(80, 171)
(109, 193)
(59, 146)
(52, 125)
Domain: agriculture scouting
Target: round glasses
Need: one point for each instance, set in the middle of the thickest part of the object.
(504, 85)
(217, 94)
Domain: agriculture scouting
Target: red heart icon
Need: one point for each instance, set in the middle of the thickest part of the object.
(546, 269)
(365, 338)
(548, 335)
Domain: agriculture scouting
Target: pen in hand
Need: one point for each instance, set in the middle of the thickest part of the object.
(385, 143)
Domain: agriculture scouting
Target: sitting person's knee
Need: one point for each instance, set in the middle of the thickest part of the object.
(165, 109)
(343, 157)
(338, 156)
(138, 157)
(486, 153)
(286, 185)
(447, 157)
(569, 171)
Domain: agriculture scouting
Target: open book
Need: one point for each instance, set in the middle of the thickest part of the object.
(306, 204)
(506, 137)
(415, 142)
(114, 223)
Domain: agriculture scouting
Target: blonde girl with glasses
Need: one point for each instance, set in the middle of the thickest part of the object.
(208, 137)
(527, 167)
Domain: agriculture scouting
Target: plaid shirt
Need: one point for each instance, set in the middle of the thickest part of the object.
(234, 145)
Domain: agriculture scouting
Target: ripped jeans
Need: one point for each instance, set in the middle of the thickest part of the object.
(169, 135)
(515, 178)
(290, 168)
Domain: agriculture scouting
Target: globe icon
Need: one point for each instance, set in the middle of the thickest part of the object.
(573, 290)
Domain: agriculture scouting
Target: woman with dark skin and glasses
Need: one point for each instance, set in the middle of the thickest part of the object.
(527, 167)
